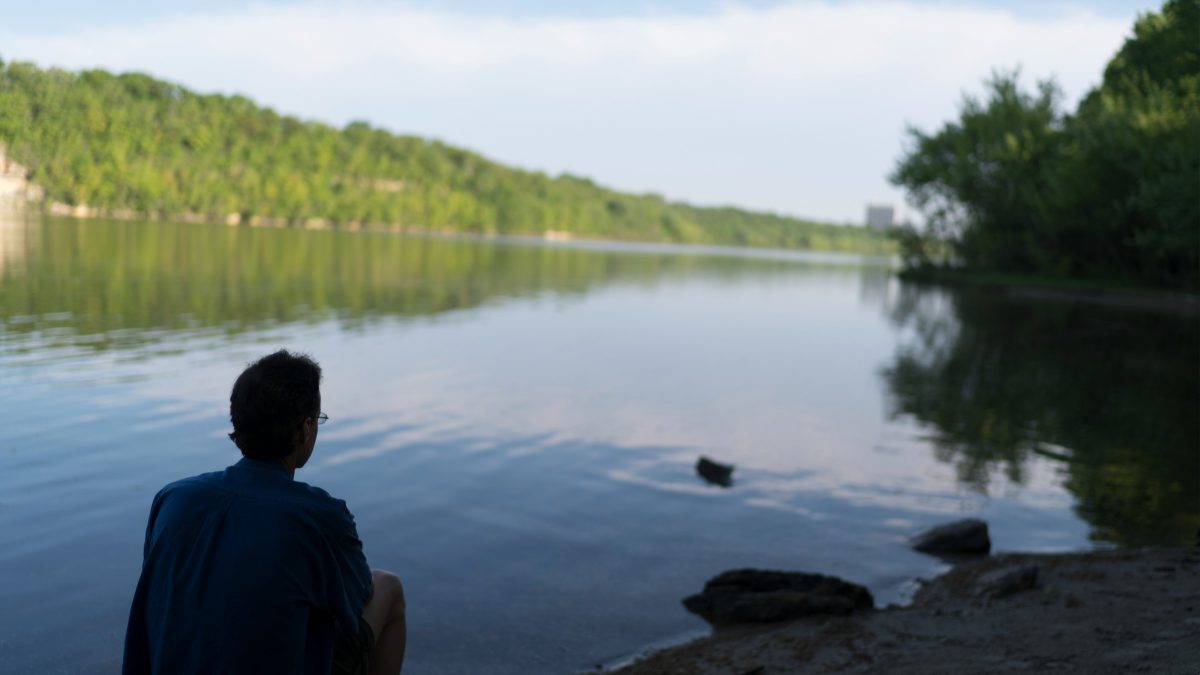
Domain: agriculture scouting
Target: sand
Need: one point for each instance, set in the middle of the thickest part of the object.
(1135, 611)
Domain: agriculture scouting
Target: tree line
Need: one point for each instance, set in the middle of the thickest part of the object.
(1109, 192)
(133, 144)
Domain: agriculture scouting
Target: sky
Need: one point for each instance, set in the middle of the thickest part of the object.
(797, 107)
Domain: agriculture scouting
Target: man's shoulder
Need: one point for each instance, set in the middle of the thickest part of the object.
(323, 502)
(289, 496)
(200, 482)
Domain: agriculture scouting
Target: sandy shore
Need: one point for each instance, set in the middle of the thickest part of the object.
(1104, 612)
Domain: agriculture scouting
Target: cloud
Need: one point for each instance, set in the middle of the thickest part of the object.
(797, 107)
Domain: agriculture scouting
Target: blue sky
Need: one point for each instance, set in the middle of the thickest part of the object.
(797, 107)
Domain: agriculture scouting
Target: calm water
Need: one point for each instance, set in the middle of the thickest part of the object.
(514, 424)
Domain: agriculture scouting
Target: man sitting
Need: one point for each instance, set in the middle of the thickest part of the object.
(247, 570)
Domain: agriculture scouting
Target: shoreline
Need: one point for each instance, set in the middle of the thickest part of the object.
(556, 237)
(1069, 290)
(1112, 611)
(648, 246)
(19, 195)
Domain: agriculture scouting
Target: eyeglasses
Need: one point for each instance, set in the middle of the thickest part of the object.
(321, 418)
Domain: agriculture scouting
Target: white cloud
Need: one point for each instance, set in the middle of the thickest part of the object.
(797, 108)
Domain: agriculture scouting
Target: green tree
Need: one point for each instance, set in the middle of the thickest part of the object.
(1130, 182)
(133, 143)
(982, 181)
(1112, 191)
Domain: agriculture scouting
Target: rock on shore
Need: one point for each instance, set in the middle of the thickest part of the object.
(968, 536)
(762, 596)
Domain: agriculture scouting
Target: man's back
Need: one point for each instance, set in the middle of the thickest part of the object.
(245, 571)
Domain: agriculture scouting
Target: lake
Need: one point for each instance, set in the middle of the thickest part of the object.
(515, 424)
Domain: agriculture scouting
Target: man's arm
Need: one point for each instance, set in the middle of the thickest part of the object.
(155, 507)
(136, 659)
(347, 581)
(381, 604)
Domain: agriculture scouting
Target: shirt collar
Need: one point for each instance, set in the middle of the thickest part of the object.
(263, 464)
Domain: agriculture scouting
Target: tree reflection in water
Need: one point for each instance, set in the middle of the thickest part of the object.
(1110, 394)
(119, 284)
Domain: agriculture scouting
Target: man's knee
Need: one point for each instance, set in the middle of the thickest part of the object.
(388, 588)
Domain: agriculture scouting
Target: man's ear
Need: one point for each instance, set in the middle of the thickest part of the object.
(304, 431)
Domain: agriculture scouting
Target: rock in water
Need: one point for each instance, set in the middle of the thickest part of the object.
(964, 536)
(1006, 581)
(761, 596)
(715, 472)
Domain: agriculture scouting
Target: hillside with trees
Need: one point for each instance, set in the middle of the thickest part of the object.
(134, 145)
(1109, 193)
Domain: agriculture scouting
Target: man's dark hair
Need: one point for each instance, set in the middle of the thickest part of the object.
(269, 401)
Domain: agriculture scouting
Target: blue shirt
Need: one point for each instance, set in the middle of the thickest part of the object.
(245, 571)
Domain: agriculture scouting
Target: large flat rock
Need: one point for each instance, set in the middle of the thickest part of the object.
(764, 596)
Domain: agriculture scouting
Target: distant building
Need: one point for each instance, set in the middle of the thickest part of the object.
(880, 217)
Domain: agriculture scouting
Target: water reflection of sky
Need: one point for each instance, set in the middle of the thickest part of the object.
(777, 379)
(526, 464)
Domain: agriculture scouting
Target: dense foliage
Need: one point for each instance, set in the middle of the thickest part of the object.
(1110, 192)
(133, 144)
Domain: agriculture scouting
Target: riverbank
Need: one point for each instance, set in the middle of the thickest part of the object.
(84, 212)
(19, 194)
(1129, 611)
(1111, 293)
